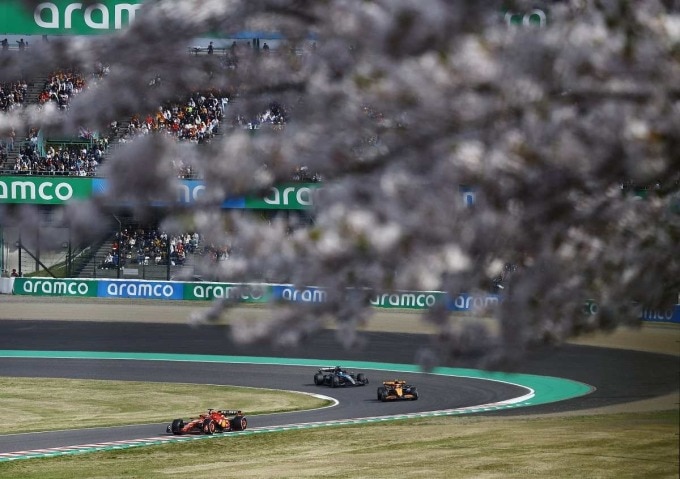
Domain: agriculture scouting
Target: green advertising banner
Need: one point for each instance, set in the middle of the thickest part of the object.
(285, 197)
(56, 190)
(55, 287)
(242, 292)
(64, 17)
(44, 190)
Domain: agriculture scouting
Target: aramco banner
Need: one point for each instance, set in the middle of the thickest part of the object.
(44, 190)
(242, 292)
(59, 190)
(84, 288)
(56, 190)
(65, 17)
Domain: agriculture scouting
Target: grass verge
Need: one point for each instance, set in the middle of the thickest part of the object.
(608, 446)
(50, 404)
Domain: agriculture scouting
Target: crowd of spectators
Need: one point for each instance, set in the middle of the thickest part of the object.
(80, 157)
(12, 95)
(303, 174)
(196, 119)
(60, 87)
(149, 246)
(275, 116)
(60, 159)
(215, 252)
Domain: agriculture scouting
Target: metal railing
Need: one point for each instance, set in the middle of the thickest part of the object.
(132, 268)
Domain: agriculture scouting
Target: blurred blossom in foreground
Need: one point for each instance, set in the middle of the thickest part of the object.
(396, 105)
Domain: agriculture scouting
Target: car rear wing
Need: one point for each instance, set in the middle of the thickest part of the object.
(326, 370)
(232, 412)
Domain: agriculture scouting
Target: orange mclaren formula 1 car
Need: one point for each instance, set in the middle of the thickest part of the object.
(397, 390)
(214, 421)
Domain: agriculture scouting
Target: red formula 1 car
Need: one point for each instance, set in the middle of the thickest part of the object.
(214, 421)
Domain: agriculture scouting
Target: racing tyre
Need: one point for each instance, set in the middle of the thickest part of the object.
(318, 379)
(239, 423)
(361, 378)
(335, 382)
(209, 427)
(381, 393)
(415, 394)
(177, 426)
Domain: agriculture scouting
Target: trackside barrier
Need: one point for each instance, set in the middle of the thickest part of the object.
(6, 285)
(251, 293)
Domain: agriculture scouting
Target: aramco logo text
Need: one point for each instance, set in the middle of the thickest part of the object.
(95, 15)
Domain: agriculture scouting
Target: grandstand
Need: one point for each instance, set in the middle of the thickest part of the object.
(123, 249)
(138, 252)
(39, 153)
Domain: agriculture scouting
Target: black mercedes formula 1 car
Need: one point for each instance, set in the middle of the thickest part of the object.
(337, 377)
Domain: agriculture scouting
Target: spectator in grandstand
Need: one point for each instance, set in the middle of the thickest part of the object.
(5, 45)
(211, 49)
(22, 44)
(33, 137)
(11, 135)
(108, 263)
(14, 273)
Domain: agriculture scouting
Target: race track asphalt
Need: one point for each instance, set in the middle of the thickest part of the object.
(619, 376)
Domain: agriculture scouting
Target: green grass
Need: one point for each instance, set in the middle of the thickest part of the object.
(29, 404)
(608, 446)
